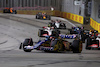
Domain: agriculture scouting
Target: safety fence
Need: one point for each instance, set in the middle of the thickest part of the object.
(31, 8)
(30, 4)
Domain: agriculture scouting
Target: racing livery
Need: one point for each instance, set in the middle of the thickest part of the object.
(9, 10)
(93, 42)
(90, 33)
(57, 24)
(73, 36)
(48, 31)
(76, 30)
(52, 44)
(43, 16)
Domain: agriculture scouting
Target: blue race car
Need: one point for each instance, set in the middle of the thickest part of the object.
(52, 44)
(79, 31)
(76, 30)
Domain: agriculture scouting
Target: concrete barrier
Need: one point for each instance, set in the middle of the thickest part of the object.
(73, 17)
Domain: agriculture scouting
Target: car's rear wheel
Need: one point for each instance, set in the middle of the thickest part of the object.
(49, 17)
(77, 46)
(83, 37)
(88, 42)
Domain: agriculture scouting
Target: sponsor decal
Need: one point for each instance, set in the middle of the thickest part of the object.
(69, 16)
(68, 36)
(94, 45)
(92, 23)
(64, 15)
(80, 19)
(99, 27)
(72, 17)
(76, 18)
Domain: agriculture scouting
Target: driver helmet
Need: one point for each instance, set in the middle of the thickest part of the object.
(49, 25)
(77, 28)
(98, 35)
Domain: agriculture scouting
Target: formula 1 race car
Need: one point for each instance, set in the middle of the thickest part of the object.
(76, 30)
(90, 33)
(48, 31)
(57, 24)
(93, 42)
(51, 44)
(43, 16)
(9, 10)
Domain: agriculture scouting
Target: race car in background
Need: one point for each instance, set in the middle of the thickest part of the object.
(44, 16)
(52, 44)
(48, 31)
(57, 24)
(9, 10)
(79, 31)
(93, 40)
(90, 33)
(76, 30)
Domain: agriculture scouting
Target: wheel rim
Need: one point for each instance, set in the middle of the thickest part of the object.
(55, 47)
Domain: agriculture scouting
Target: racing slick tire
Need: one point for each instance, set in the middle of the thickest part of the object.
(58, 32)
(26, 43)
(62, 27)
(49, 17)
(55, 33)
(83, 37)
(88, 42)
(40, 32)
(37, 17)
(77, 46)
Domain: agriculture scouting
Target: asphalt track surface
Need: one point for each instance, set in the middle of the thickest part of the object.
(15, 28)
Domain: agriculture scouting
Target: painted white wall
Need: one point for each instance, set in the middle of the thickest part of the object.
(69, 6)
(95, 7)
